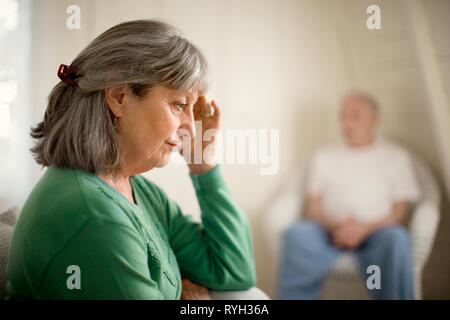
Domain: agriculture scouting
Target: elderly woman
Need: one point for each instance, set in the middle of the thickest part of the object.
(92, 227)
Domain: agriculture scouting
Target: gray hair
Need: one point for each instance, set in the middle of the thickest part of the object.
(371, 101)
(78, 127)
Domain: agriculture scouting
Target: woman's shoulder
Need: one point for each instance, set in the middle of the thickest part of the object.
(71, 197)
(61, 204)
(52, 215)
(56, 191)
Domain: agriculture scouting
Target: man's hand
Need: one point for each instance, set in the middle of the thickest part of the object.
(350, 234)
(201, 110)
(193, 291)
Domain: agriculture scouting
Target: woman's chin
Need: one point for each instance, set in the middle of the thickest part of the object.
(163, 161)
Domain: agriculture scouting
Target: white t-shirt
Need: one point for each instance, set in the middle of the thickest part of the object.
(362, 182)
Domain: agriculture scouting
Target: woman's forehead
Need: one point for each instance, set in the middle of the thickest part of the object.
(183, 93)
(167, 93)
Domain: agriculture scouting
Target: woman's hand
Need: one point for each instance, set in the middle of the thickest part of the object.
(193, 291)
(208, 161)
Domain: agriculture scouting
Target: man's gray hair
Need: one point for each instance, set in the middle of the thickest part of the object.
(78, 127)
(371, 101)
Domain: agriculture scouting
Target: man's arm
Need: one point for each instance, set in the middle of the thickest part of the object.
(353, 233)
(314, 211)
(398, 215)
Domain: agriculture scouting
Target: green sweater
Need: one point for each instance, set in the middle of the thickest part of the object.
(79, 238)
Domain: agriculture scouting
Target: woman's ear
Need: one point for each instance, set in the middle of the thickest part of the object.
(115, 98)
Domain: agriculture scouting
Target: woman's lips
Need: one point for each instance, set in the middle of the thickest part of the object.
(172, 145)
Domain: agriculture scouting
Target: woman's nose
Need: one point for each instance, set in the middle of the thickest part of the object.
(188, 125)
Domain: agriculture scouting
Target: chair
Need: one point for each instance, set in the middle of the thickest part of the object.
(344, 280)
(7, 222)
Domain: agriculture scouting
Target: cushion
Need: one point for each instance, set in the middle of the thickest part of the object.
(7, 221)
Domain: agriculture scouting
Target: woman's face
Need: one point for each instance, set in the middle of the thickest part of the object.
(150, 127)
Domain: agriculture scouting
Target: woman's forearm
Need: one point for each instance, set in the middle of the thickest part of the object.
(217, 253)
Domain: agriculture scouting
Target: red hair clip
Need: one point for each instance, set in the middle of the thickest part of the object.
(67, 73)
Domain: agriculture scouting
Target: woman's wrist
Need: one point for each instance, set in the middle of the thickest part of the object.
(201, 168)
(210, 179)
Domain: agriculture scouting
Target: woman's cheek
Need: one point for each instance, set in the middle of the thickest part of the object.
(172, 126)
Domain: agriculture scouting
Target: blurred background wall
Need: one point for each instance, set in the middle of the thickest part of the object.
(274, 64)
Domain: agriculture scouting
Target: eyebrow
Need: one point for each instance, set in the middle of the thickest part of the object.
(185, 94)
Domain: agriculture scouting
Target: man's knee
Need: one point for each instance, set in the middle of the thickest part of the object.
(304, 235)
(396, 237)
(304, 229)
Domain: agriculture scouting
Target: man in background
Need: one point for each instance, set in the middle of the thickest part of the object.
(357, 199)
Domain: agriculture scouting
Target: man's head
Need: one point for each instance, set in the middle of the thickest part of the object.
(359, 119)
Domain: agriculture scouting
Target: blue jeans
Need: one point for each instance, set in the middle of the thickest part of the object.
(308, 254)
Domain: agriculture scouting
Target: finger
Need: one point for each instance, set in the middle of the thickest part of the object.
(203, 107)
(217, 109)
(340, 240)
(198, 107)
(337, 244)
(338, 234)
(336, 237)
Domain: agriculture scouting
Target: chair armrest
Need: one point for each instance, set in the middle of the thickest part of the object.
(423, 227)
(282, 213)
(253, 293)
(9, 217)
(425, 215)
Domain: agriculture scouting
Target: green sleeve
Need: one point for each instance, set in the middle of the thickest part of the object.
(217, 253)
(113, 266)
